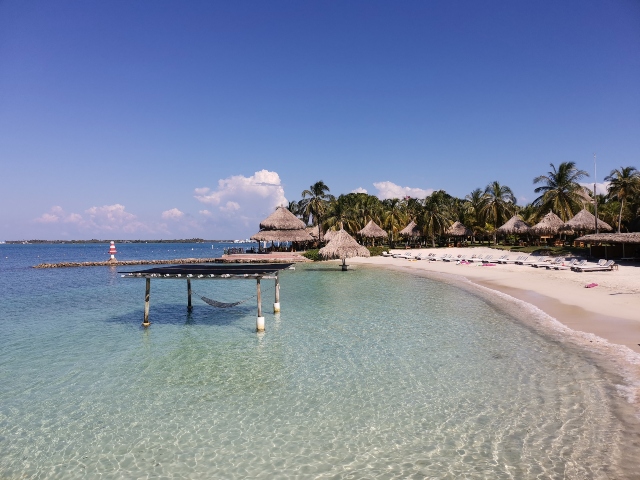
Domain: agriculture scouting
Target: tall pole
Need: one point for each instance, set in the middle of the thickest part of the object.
(260, 319)
(147, 295)
(595, 195)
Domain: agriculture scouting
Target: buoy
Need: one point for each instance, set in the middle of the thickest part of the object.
(112, 251)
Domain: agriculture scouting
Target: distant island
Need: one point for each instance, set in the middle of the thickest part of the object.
(93, 240)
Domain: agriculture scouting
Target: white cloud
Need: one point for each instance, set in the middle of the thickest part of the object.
(114, 218)
(59, 215)
(173, 214)
(359, 190)
(240, 203)
(391, 190)
(601, 188)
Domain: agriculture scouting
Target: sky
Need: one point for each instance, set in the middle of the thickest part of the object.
(164, 119)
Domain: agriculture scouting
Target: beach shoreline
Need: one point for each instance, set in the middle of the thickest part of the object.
(600, 321)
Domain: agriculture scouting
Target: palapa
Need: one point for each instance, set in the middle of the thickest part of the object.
(410, 230)
(458, 230)
(343, 246)
(282, 226)
(313, 231)
(329, 234)
(585, 221)
(551, 224)
(611, 238)
(515, 225)
(372, 230)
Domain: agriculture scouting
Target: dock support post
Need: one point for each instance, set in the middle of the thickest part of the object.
(147, 294)
(276, 305)
(260, 319)
(344, 265)
(189, 307)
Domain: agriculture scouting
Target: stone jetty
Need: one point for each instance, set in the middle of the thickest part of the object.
(245, 258)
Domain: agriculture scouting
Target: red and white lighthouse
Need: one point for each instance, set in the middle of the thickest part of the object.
(112, 250)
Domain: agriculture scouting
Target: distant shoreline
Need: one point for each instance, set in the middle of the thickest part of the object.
(188, 240)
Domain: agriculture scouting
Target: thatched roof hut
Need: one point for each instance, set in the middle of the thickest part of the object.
(372, 230)
(282, 219)
(515, 225)
(329, 234)
(628, 238)
(551, 224)
(343, 246)
(458, 230)
(313, 231)
(585, 221)
(410, 230)
(282, 226)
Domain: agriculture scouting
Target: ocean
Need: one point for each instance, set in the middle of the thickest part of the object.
(364, 374)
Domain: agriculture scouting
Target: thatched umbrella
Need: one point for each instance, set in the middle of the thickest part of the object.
(282, 226)
(343, 246)
(313, 231)
(329, 234)
(458, 230)
(627, 238)
(585, 221)
(551, 224)
(515, 225)
(410, 230)
(373, 231)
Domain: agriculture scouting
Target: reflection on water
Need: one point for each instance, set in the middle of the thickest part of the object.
(365, 374)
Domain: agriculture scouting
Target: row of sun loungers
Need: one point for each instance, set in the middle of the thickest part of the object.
(550, 263)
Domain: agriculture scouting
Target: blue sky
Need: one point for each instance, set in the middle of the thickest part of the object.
(165, 119)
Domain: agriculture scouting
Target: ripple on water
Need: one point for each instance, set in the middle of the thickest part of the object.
(363, 374)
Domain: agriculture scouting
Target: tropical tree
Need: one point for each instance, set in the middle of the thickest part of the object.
(342, 212)
(561, 191)
(393, 216)
(473, 217)
(315, 202)
(436, 214)
(498, 204)
(625, 183)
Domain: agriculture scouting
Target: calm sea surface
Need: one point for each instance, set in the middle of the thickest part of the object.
(364, 374)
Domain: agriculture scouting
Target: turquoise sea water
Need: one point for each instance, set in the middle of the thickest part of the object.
(364, 374)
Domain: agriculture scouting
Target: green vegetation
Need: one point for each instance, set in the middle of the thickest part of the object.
(312, 254)
(376, 251)
(482, 211)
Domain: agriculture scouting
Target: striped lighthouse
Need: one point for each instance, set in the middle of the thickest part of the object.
(112, 251)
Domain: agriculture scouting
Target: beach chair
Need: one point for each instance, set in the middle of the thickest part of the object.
(600, 267)
(557, 261)
(387, 254)
(564, 265)
(500, 259)
(531, 260)
(487, 259)
(508, 261)
(475, 258)
(452, 259)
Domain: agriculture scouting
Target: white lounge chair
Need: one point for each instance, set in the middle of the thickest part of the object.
(564, 265)
(531, 260)
(607, 266)
(520, 258)
(548, 262)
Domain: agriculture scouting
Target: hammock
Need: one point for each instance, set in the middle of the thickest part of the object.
(215, 303)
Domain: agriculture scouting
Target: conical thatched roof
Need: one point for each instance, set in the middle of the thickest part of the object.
(328, 235)
(458, 230)
(282, 226)
(550, 224)
(282, 236)
(343, 245)
(282, 219)
(372, 230)
(611, 238)
(585, 221)
(514, 225)
(313, 231)
(410, 230)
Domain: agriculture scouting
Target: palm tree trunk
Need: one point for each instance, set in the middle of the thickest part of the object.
(620, 215)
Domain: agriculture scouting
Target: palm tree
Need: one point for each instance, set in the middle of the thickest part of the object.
(473, 211)
(315, 201)
(393, 216)
(561, 193)
(498, 203)
(436, 215)
(625, 182)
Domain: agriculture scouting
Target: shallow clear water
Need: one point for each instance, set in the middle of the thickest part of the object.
(367, 373)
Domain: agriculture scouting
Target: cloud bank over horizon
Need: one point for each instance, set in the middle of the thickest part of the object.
(391, 190)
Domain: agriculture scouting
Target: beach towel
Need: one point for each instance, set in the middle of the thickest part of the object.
(591, 285)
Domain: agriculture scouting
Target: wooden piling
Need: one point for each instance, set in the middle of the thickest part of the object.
(189, 306)
(276, 305)
(147, 295)
(260, 319)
